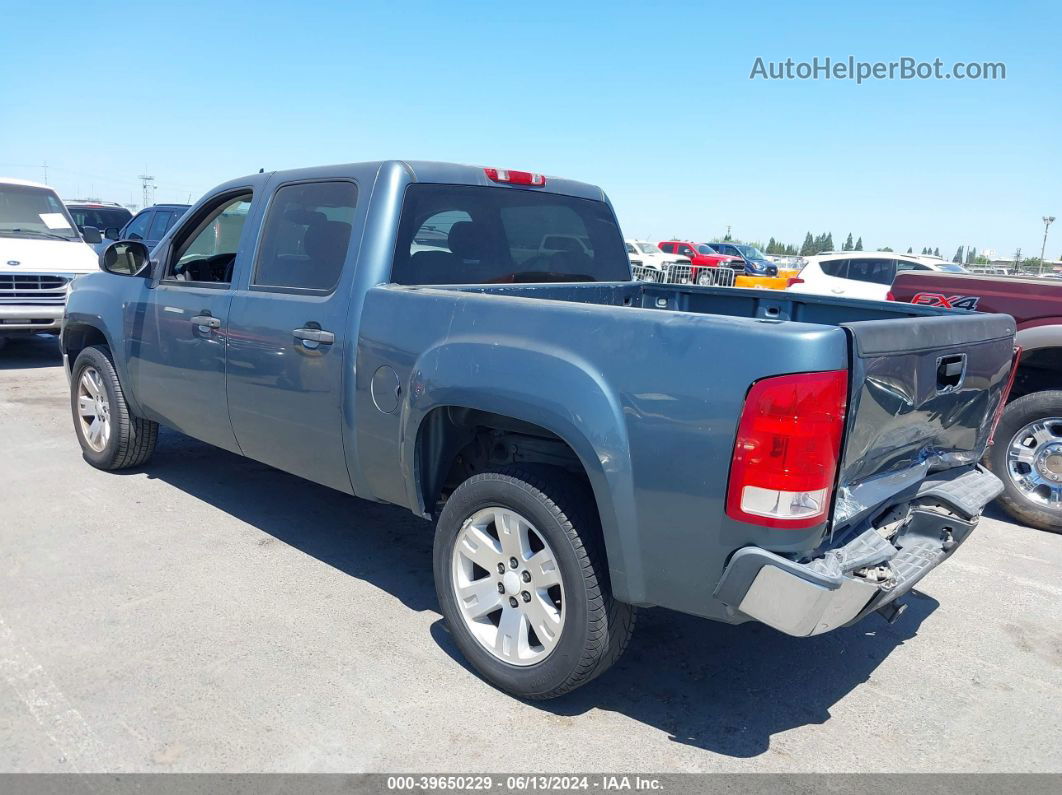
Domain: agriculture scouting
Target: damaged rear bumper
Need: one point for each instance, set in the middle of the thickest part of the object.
(868, 572)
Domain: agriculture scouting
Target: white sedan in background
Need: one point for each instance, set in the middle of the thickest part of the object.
(862, 274)
(649, 255)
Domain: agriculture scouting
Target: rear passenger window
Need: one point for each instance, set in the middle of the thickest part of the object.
(162, 221)
(835, 267)
(457, 234)
(877, 271)
(305, 236)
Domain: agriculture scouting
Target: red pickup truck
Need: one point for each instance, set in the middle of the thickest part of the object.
(1027, 455)
(702, 255)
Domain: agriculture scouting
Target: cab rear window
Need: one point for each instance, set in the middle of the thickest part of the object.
(456, 234)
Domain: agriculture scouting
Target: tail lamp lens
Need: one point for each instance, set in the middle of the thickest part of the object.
(787, 448)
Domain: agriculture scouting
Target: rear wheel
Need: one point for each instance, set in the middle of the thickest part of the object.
(1027, 457)
(111, 436)
(523, 584)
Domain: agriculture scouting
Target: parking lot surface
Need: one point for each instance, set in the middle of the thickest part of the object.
(208, 613)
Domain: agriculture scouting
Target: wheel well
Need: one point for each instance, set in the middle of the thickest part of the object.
(1038, 370)
(455, 443)
(78, 337)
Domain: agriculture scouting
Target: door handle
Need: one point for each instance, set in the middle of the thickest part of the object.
(206, 322)
(317, 335)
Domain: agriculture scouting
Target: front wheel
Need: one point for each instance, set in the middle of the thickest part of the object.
(523, 584)
(1027, 457)
(111, 436)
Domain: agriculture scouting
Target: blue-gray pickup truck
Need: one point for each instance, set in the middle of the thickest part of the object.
(585, 444)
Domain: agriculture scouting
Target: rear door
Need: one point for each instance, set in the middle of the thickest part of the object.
(288, 332)
(924, 394)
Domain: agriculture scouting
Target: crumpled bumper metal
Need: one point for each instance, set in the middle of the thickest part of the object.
(874, 568)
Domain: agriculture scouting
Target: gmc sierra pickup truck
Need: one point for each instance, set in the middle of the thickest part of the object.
(1028, 455)
(584, 443)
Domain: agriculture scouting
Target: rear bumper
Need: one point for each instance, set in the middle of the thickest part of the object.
(879, 565)
(30, 317)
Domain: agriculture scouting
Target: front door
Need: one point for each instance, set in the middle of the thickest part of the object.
(181, 368)
(289, 342)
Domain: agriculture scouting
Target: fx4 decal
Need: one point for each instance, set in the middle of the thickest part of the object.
(947, 301)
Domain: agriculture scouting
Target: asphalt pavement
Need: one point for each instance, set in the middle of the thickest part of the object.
(208, 613)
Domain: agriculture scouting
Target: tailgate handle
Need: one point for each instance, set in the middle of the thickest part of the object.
(951, 370)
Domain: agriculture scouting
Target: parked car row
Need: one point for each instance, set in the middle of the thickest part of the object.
(45, 244)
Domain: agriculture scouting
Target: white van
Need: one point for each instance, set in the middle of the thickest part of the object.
(41, 253)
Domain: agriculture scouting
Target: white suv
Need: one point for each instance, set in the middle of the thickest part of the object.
(862, 274)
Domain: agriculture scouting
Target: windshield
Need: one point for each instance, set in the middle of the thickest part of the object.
(649, 248)
(499, 235)
(703, 249)
(751, 252)
(26, 211)
(100, 217)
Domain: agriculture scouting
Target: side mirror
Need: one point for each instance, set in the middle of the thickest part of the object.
(126, 258)
(91, 235)
(111, 233)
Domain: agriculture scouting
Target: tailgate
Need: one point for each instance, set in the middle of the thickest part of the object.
(923, 396)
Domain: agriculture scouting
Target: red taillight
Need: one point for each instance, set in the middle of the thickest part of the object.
(787, 447)
(793, 280)
(889, 296)
(515, 177)
(1006, 394)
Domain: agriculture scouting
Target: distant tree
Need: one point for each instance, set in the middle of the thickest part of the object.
(936, 252)
(827, 244)
(884, 248)
(958, 255)
(847, 243)
(809, 245)
(971, 255)
(909, 251)
(858, 245)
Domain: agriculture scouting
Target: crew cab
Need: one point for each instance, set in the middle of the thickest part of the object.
(702, 256)
(1028, 453)
(41, 253)
(584, 443)
(756, 262)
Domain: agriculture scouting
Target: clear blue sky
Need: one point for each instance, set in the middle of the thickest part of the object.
(653, 103)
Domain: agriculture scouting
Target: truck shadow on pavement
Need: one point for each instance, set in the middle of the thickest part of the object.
(725, 689)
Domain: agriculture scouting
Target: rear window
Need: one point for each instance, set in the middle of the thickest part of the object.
(100, 217)
(835, 267)
(457, 234)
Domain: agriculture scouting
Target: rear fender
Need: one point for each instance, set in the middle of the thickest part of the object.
(546, 387)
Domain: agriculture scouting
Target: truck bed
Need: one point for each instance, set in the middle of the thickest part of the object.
(646, 383)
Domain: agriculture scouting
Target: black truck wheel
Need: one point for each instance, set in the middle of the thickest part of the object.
(111, 436)
(522, 581)
(1027, 457)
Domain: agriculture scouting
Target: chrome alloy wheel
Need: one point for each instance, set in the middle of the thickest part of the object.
(1034, 462)
(93, 409)
(507, 585)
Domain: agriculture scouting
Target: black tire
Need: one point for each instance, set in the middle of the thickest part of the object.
(1018, 414)
(132, 439)
(596, 628)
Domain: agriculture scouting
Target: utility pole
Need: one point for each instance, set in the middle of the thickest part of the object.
(1048, 220)
(45, 167)
(149, 189)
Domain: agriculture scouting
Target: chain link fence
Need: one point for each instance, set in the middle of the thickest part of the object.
(685, 274)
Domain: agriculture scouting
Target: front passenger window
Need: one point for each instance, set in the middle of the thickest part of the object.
(208, 253)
